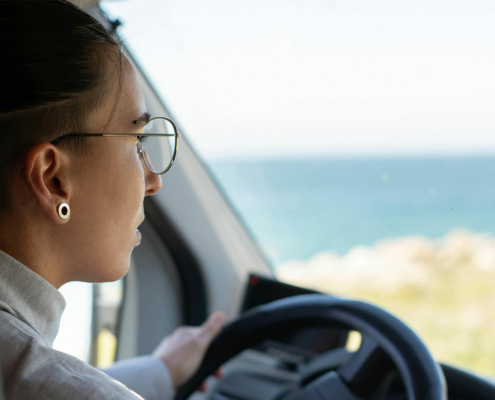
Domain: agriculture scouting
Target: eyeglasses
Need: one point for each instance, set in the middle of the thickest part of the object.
(157, 145)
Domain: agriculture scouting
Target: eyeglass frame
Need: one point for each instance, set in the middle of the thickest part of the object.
(138, 144)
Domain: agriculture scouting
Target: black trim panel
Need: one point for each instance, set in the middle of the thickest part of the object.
(463, 385)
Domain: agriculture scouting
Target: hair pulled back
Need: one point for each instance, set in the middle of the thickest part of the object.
(55, 61)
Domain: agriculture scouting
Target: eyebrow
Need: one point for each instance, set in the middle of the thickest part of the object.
(142, 120)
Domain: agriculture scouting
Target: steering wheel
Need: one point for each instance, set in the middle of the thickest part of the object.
(387, 338)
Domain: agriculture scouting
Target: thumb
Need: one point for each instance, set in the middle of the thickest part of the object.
(212, 326)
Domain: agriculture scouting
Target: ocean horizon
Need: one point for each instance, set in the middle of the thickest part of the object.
(297, 208)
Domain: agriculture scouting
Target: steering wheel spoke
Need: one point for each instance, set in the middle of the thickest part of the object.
(329, 386)
(367, 369)
(251, 386)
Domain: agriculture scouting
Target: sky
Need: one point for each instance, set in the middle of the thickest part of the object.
(285, 78)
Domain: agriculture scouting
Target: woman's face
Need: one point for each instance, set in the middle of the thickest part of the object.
(108, 186)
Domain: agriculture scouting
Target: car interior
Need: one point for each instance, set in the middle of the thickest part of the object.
(283, 341)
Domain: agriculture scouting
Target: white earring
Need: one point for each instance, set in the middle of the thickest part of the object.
(63, 210)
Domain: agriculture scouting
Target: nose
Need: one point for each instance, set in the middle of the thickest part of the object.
(153, 181)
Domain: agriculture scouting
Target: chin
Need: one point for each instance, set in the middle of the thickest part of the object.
(118, 273)
(110, 274)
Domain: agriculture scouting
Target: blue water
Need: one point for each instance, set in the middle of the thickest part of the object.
(297, 208)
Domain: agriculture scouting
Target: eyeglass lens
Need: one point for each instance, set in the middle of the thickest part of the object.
(160, 149)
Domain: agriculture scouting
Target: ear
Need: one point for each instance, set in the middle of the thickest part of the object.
(46, 173)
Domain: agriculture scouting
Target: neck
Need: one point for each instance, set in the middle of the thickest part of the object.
(31, 246)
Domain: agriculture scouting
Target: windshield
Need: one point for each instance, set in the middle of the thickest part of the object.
(355, 139)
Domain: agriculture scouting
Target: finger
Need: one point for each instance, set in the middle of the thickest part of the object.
(218, 373)
(203, 388)
(212, 326)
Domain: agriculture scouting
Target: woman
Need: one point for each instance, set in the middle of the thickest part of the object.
(70, 204)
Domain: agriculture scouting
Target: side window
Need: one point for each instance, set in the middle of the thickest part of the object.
(354, 139)
(74, 335)
(107, 301)
(88, 328)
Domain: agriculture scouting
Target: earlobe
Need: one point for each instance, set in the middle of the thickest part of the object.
(45, 173)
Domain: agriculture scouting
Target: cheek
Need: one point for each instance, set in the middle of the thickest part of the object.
(123, 189)
(106, 208)
(131, 183)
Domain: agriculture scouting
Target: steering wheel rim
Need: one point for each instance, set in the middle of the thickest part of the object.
(422, 376)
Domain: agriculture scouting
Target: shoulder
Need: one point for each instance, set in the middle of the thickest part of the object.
(32, 370)
(15, 334)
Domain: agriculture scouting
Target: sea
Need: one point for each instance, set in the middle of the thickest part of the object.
(296, 208)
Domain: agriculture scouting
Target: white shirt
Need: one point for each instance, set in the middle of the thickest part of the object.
(30, 312)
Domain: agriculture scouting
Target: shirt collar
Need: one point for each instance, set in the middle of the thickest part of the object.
(30, 298)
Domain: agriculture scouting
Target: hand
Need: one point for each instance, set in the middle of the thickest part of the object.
(183, 351)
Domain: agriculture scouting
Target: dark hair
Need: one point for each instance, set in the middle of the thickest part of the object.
(55, 62)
